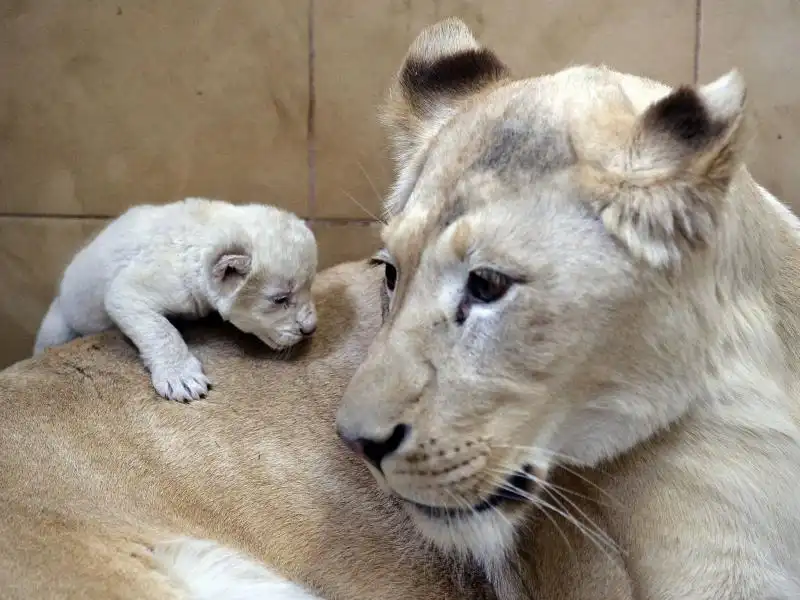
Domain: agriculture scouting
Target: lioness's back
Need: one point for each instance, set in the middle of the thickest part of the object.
(95, 468)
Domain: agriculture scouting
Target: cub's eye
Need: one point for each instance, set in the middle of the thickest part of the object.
(280, 300)
(391, 277)
(488, 285)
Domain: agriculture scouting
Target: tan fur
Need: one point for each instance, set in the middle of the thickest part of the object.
(648, 342)
(96, 469)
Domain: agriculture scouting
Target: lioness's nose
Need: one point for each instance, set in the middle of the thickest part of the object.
(375, 450)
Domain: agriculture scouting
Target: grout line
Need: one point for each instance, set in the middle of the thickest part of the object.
(342, 221)
(311, 133)
(54, 216)
(79, 217)
(698, 35)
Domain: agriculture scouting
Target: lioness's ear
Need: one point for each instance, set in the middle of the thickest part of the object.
(660, 190)
(444, 65)
(230, 269)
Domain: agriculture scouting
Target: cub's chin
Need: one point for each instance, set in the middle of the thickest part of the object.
(278, 342)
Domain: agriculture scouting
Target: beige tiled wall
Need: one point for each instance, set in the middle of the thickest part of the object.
(108, 104)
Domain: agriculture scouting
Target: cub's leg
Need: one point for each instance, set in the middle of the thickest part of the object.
(54, 329)
(137, 308)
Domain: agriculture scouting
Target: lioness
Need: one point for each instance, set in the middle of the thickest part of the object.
(583, 281)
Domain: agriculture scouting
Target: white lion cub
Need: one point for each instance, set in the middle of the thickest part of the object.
(252, 264)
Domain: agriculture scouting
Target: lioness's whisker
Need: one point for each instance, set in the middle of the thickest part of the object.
(550, 485)
(600, 538)
(552, 492)
(568, 469)
(362, 207)
(552, 489)
(596, 534)
(546, 514)
(378, 195)
(544, 482)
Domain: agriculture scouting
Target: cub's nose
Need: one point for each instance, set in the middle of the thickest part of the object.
(307, 320)
(375, 450)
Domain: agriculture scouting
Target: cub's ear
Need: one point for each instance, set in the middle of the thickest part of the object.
(230, 269)
(444, 65)
(663, 176)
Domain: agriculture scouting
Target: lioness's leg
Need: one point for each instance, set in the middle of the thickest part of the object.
(210, 571)
(48, 556)
(137, 311)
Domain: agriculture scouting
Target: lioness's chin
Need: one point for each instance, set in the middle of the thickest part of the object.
(484, 530)
(486, 536)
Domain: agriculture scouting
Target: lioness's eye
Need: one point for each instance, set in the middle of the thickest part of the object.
(488, 285)
(391, 277)
(389, 270)
(280, 300)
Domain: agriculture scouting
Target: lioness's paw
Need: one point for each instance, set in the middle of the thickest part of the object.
(183, 381)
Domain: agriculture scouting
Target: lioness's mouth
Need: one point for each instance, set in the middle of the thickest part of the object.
(516, 488)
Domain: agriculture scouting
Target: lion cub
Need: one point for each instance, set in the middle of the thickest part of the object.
(252, 264)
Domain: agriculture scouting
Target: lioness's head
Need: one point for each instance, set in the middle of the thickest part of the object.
(550, 291)
(262, 282)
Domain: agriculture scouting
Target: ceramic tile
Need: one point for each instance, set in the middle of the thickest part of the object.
(33, 254)
(761, 39)
(359, 46)
(108, 104)
(342, 242)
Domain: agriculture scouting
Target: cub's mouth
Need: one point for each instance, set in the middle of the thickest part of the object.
(516, 489)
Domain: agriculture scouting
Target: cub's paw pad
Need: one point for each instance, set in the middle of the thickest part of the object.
(183, 381)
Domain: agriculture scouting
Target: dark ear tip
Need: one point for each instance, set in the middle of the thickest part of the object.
(697, 116)
(451, 74)
(683, 115)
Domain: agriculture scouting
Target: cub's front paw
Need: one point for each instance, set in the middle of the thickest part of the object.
(182, 381)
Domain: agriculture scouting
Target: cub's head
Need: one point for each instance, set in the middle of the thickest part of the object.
(549, 292)
(263, 284)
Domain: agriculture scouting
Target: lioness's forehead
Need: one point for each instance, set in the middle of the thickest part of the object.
(508, 140)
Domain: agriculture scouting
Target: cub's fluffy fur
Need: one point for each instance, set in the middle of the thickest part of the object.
(581, 276)
(252, 264)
